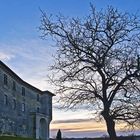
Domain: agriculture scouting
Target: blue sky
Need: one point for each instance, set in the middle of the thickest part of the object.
(25, 53)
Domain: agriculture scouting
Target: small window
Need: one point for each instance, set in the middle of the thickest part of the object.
(37, 97)
(14, 104)
(5, 79)
(14, 85)
(23, 107)
(5, 100)
(38, 109)
(23, 91)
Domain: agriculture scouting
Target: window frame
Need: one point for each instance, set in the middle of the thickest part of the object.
(23, 107)
(5, 79)
(23, 91)
(38, 97)
(38, 109)
(5, 99)
(14, 104)
(14, 86)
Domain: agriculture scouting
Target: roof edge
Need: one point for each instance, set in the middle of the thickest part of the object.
(48, 92)
(13, 74)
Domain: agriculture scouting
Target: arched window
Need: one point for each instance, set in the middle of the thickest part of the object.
(43, 129)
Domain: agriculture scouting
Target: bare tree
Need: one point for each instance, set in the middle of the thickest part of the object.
(98, 64)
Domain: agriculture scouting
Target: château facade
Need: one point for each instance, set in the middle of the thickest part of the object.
(24, 110)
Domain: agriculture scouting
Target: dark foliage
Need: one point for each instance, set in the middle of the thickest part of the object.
(59, 135)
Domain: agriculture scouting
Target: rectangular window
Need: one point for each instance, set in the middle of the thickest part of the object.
(23, 91)
(23, 107)
(5, 100)
(14, 104)
(37, 97)
(14, 85)
(5, 79)
(37, 109)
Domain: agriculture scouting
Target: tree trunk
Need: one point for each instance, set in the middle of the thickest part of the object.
(111, 128)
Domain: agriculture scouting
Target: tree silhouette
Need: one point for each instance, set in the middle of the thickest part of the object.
(97, 64)
(59, 136)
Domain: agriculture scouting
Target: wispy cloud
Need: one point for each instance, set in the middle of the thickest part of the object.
(30, 59)
(5, 56)
(31, 50)
(78, 125)
(78, 128)
(70, 121)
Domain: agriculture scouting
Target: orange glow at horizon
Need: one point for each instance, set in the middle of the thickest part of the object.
(88, 125)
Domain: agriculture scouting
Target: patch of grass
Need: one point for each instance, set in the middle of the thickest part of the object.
(14, 138)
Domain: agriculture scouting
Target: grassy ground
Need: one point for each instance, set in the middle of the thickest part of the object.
(14, 138)
(119, 138)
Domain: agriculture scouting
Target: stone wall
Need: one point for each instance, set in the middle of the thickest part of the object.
(16, 110)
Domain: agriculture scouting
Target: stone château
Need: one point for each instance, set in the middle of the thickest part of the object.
(24, 110)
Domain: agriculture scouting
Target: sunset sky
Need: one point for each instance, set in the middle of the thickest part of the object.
(22, 49)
